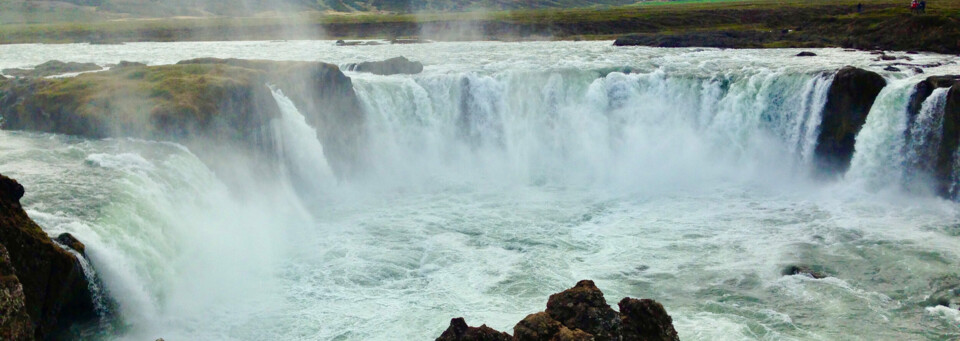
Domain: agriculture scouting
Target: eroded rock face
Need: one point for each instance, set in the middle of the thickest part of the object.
(15, 324)
(392, 66)
(580, 313)
(55, 290)
(849, 100)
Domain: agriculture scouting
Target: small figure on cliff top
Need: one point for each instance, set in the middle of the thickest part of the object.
(923, 6)
(859, 7)
(914, 6)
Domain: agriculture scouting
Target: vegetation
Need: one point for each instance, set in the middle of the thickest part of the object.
(750, 23)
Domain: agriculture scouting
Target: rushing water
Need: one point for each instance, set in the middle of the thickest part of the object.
(504, 173)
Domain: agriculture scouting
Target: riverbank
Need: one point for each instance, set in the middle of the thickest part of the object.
(736, 24)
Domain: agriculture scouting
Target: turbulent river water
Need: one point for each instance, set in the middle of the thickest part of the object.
(682, 175)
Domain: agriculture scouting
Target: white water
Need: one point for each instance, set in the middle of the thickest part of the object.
(684, 181)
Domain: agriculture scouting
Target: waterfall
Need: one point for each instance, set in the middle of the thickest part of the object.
(298, 148)
(925, 134)
(585, 127)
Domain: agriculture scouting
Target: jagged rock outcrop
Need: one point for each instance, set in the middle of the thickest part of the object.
(579, 313)
(56, 293)
(51, 68)
(206, 104)
(849, 100)
(812, 271)
(392, 66)
(70, 241)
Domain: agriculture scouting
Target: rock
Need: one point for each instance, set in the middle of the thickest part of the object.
(392, 66)
(849, 100)
(15, 324)
(583, 307)
(917, 70)
(646, 319)
(459, 331)
(806, 54)
(891, 68)
(913, 52)
(51, 68)
(804, 270)
(565, 334)
(887, 57)
(56, 291)
(538, 326)
(70, 241)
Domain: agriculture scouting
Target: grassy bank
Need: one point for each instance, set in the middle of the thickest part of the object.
(760, 23)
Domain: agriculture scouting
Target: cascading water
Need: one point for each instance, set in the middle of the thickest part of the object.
(507, 172)
(925, 134)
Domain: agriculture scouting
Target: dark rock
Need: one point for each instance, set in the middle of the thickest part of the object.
(459, 331)
(57, 294)
(849, 100)
(891, 68)
(646, 319)
(804, 270)
(15, 324)
(583, 307)
(51, 68)
(392, 66)
(539, 326)
(913, 52)
(887, 57)
(806, 54)
(70, 241)
(917, 70)
(566, 334)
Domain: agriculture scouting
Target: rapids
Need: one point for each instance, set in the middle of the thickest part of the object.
(506, 172)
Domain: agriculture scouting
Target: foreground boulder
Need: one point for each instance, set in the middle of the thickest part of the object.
(52, 68)
(392, 66)
(55, 292)
(579, 313)
(849, 100)
(206, 104)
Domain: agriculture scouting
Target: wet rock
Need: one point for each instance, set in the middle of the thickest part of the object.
(646, 319)
(584, 307)
(849, 99)
(392, 66)
(55, 289)
(15, 324)
(913, 52)
(887, 57)
(539, 326)
(806, 54)
(70, 241)
(891, 68)
(917, 70)
(459, 331)
(804, 270)
(51, 68)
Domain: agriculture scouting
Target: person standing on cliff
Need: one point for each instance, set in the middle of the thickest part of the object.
(913, 6)
(923, 6)
(859, 7)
